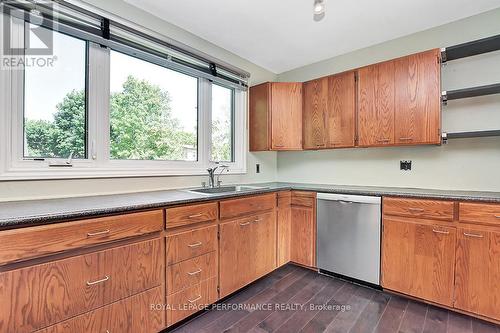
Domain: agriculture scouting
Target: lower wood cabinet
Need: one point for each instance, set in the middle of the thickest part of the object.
(477, 280)
(191, 300)
(140, 313)
(418, 259)
(284, 227)
(303, 228)
(247, 250)
(41, 295)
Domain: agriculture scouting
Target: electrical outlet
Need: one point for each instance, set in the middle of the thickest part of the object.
(405, 165)
(257, 168)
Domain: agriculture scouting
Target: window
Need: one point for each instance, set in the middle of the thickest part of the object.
(55, 114)
(222, 123)
(116, 109)
(153, 111)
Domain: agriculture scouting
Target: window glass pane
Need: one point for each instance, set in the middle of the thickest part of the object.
(153, 111)
(55, 101)
(222, 123)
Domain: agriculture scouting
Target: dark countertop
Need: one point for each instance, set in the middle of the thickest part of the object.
(15, 214)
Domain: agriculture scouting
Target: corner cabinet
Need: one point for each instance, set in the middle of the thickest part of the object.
(330, 112)
(399, 101)
(276, 116)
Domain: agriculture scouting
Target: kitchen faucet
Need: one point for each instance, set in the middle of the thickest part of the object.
(211, 174)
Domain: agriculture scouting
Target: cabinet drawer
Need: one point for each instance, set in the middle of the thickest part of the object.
(248, 205)
(190, 272)
(480, 213)
(284, 199)
(191, 300)
(429, 209)
(190, 244)
(26, 243)
(180, 216)
(45, 294)
(303, 199)
(133, 314)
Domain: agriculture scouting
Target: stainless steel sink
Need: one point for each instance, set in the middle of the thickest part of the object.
(226, 189)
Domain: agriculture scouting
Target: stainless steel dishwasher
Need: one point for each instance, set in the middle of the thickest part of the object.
(348, 229)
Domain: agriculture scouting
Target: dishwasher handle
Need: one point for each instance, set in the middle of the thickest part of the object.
(344, 198)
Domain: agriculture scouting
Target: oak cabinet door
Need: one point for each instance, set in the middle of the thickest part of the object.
(303, 244)
(259, 117)
(235, 255)
(286, 116)
(477, 276)
(341, 110)
(284, 219)
(418, 260)
(264, 245)
(315, 114)
(418, 99)
(376, 104)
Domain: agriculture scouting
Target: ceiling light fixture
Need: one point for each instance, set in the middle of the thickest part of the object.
(319, 9)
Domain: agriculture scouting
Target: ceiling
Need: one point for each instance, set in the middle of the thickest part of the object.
(281, 35)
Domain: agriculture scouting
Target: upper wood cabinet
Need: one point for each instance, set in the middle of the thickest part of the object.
(341, 127)
(418, 99)
(276, 116)
(329, 112)
(376, 104)
(399, 101)
(315, 113)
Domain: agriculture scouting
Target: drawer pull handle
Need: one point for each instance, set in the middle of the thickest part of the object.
(194, 300)
(440, 232)
(257, 220)
(106, 278)
(415, 209)
(473, 235)
(98, 233)
(406, 139)
(383, 140)
(195, 215)
(279, 146)
(320, 145)
(497, 216)
(195, 272)
(195, 244)
(244, 224)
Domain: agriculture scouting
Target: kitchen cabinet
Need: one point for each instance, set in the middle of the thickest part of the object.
(417, 106)
(303, 230)
(330, 112)
(315, 114)
(276, 116)
(284, 227)
(376, 89)
(418, 259)
(247, 250)
(341, 124)
(477, 287)
(399, 101)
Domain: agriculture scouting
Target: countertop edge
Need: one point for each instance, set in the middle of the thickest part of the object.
(46, 219)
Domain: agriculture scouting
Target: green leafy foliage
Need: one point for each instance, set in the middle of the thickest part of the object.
(142, 126)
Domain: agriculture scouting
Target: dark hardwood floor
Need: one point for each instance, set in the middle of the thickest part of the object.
(309, 302)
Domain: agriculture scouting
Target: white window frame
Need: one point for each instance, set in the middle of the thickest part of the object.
(13, 166)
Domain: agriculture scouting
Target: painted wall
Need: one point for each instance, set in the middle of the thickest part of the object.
(469, 164)
(24, 190)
